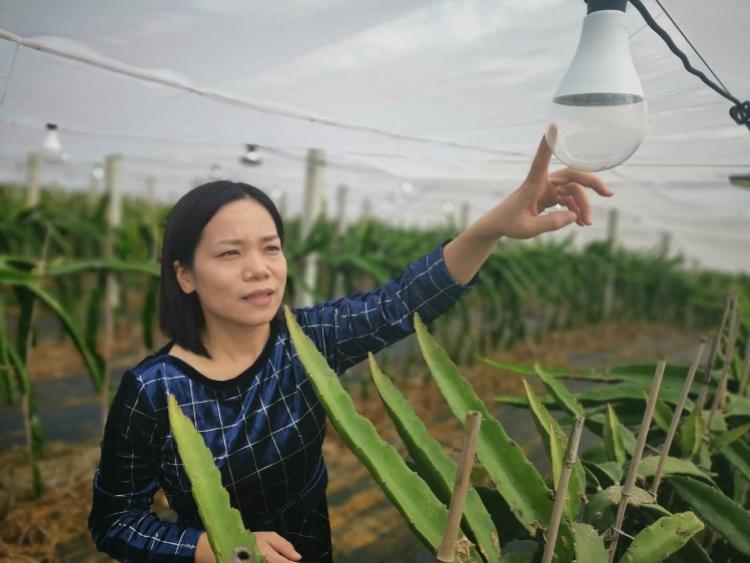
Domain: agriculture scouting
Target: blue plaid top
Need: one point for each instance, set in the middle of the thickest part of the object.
(264, 427)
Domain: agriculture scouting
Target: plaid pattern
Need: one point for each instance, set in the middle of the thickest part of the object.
(264, 428)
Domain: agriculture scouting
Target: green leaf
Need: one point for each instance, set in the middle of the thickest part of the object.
(222, 522)
(738, 454)
(730, 436)
(149, 312)
(600, 511)
(662, 412)
(589, 544)
(522, 369)
(690, 434)
(505, 521)
(716, 509)
(423, 512)
(672, 466)
(565, 398)
(433, 465)
(643, 375)
(556, 443)
(515, 477)
(88, 355)
(599, 396)
(662, 538)
(613, 440)
(611, 470)
(737, 405)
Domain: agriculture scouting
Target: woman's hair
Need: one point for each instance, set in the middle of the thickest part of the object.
(180, 314)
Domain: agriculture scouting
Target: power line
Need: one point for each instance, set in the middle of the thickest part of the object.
(236, 101)
(691, 45)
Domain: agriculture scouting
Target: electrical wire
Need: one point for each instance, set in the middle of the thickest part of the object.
(236, 101)
(740, 112)
(685, 37)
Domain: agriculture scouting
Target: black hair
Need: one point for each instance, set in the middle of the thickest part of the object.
(180, 314)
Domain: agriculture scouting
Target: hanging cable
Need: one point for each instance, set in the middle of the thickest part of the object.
(740, 112)
(685, 37)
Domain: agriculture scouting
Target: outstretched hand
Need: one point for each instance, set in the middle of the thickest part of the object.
(519, 215)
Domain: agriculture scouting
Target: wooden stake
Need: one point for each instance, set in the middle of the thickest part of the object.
(562, 489)
(745, 369)
(726, 368)
(676, 417)
(112, 167)
(728, 308)
(447, 551)
(314, 186)
(637, 454)
(32, 179)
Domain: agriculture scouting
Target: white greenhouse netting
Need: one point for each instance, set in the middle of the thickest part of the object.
(420, 106)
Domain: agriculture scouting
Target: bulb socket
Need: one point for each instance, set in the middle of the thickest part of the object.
(599, 5)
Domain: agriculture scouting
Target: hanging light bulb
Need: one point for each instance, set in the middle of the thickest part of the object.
(51, 147)
(277, 193)
(407, 188)
(251, 156)
(214, 173)
(598, 115)
(97, 173)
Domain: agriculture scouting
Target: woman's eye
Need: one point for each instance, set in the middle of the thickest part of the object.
(273, 248)
(227, 252)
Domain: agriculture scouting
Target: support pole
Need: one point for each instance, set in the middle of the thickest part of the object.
(314, 186)
(32, 179)
(636, 459)
(609, 284)
(366, 211)
(726, 368)
(342, 195)
(715, 346)
(562, 488)
(665, 243)
(447, 550)
(112, 171)
(464, 216)
(686, 386)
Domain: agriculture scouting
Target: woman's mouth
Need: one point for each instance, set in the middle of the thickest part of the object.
(259, 298)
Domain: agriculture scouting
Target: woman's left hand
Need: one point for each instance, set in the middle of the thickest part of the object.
(519, 215)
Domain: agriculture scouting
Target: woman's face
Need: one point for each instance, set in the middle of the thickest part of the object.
(239, 268)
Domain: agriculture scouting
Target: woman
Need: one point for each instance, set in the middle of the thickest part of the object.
(223, 276)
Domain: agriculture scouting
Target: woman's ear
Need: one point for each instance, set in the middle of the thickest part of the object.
(184, 277)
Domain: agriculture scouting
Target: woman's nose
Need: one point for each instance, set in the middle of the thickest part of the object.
(255, 267)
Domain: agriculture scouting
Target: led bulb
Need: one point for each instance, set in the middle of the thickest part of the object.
(251, 155)
(215, 173)
(598, 115)
(51, 147)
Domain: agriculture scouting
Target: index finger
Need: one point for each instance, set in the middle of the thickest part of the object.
(568, 175)
(540, 164)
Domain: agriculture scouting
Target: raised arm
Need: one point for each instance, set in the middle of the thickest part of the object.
(347, 329)
(518, 216)
(120, 521)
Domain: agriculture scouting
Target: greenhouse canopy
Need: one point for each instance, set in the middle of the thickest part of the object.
(422, 108)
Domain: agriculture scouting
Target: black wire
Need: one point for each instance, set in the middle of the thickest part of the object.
(685, 37)
(672, 47)
(740, 112)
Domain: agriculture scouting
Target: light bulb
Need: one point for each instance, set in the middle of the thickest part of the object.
(214, 172)
(97, 173)
(251, 155)
(598, 115)
(51, 147)
(407, 188)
